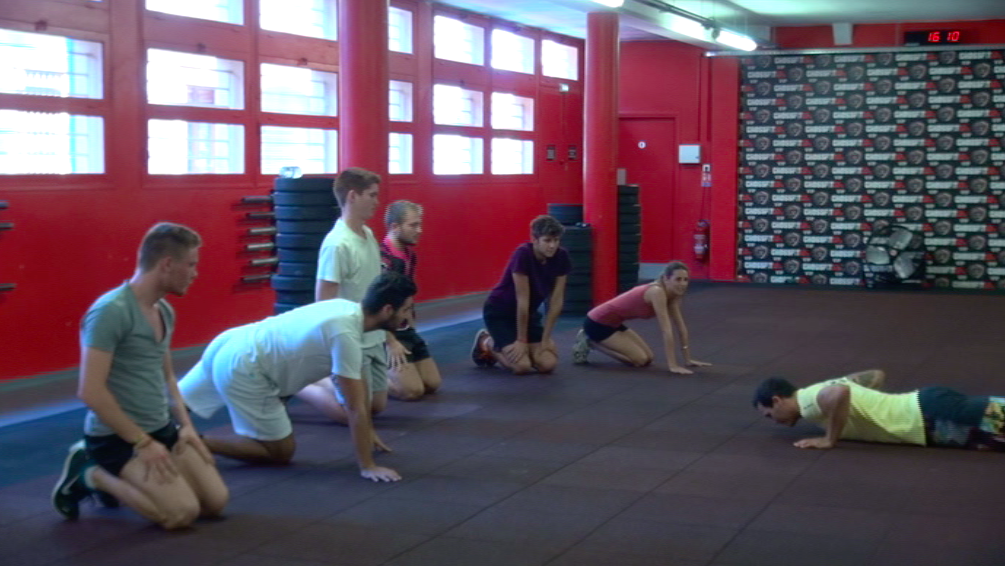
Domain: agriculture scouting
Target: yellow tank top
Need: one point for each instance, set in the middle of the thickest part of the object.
(874, 416)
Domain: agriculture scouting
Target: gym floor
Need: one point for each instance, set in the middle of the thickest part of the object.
(595, 465)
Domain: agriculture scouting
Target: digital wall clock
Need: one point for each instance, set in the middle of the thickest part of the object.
(934, 37)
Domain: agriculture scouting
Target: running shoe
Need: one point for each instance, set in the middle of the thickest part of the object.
(581, 349)
(479, 355)
(70, 488)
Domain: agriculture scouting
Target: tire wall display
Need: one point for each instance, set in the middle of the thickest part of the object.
(305, 210)
(836, 146)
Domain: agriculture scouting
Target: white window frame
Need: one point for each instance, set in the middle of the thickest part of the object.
(170, 75)
(227, 11)
(289, 82)
(559, 60)
(314, 158)
(400, 155)
(512, 156)
(399, 30)
(455, 40)
(50, 143)
(308, 18)
(512, 52)
(512, 112)
(458, 106)
(400, 101)
(164, 157)
(50, 65)
(455, 154)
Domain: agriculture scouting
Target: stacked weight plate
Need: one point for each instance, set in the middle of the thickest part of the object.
(629, 236)
(578, 241)
(305, 211)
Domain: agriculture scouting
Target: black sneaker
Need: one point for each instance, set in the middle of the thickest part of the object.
(70, 488)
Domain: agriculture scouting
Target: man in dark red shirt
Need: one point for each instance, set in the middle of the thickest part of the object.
(417, 374)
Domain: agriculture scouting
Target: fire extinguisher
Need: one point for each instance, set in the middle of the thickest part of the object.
(701, 240)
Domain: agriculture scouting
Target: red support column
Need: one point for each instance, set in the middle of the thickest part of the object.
(363, 84)
(600, 149)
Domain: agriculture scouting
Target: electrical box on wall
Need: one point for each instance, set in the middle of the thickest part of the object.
(689, 153)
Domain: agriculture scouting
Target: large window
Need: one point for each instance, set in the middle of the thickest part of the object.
(177, 147)
(559, 60)
(400, 101)
(456, 106)
(187, 79)
(229, 11)
(312, 18)
(457, 155)
(50, 143)
(457, 41)
(313, 150)
(512, 112)
(49, 65)
(399, 153)
(399, 30)
(512, 156)
(299, 90)
(512, 52)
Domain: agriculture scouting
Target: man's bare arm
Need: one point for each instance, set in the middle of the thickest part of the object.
(324, 290)
(835, 403)
(871, 378)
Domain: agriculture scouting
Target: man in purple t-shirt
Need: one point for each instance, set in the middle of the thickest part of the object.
(513, 334)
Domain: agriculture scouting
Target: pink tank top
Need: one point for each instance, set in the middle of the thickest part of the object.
(626, 306)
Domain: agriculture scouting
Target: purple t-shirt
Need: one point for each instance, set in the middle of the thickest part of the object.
(540, 275)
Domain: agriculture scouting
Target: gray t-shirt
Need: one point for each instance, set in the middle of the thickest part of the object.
(115, 324)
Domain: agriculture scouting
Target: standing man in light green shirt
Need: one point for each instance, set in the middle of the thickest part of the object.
(850, 408)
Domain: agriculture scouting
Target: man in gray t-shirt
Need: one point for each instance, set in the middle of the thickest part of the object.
(133, 451)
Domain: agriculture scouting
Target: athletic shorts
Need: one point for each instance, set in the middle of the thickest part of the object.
(414, 343)
(502, 327)
(963, 421)
(226, 376)
(374, 369)
(600, 332)
(112, 453)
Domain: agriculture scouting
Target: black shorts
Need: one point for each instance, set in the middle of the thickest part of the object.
(501, 324)
(600, 332)
(414, 343)
(112, 453)
(944, 404)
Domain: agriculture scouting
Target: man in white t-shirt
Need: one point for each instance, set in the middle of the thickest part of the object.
(348, 261)
(252, 368)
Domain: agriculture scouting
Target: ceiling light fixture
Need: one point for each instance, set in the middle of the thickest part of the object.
(734, 40)
(610, 3)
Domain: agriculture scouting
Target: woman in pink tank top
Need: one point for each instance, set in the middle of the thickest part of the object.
(604, 329)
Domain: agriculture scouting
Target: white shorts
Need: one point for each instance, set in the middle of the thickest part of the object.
(226, 377)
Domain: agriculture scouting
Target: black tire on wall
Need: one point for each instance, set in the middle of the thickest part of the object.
(567, 214)
(314, 198)
(316, 212)
(290, 227)
(296, 284)
(303, 184)
(300, 241)
(295, 297)
(280, 308)
(297, 256)
(297, 269)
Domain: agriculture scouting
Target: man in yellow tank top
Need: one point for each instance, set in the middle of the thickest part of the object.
(851, 408)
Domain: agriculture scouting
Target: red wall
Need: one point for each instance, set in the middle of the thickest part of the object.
(76, 236)
(698, 95)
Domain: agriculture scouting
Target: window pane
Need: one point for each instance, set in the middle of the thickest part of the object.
(399, 153)
(312, 150)
(177, 147)
(400, 101)
(457, 41)
(455, 106)
(511, 112)
(512, 157)
(399, 30)
(49, 65)
(456, 155)
(229, 11)
(313, 18)
(512, 52)
(298, 90)
(40, 142)
(559, 60)
(187, 79)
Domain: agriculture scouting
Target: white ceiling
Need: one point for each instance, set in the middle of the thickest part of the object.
(640, 20)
